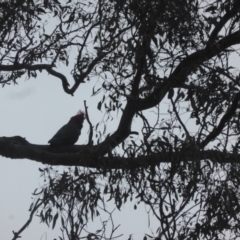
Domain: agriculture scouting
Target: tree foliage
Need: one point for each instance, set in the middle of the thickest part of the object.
(169, 66)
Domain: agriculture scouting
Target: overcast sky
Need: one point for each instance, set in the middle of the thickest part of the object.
(36, 109)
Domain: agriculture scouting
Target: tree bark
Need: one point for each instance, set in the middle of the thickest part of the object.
(89, 156)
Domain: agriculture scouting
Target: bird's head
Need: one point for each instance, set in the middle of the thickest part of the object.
(78, 119)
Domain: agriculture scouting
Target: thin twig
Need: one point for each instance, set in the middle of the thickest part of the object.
(90, 124)
(17, 234)
(180, 120)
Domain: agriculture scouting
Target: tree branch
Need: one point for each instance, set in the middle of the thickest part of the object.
(35, 208)
(123, 131)
(50, 70)
(40, 67)
(85, 156)
(221, 24)
(226, 117)
(188, 65)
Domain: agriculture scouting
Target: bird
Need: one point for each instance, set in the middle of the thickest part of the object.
(70, 132)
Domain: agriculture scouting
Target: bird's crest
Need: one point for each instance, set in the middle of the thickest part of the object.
(80, 116)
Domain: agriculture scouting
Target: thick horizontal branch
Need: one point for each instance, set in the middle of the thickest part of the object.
(85, 156)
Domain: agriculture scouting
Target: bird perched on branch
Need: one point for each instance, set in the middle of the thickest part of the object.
(69, 133)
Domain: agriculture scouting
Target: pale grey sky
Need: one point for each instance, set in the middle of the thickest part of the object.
(36, 109)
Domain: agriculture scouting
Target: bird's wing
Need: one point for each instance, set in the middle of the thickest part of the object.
(65, 132)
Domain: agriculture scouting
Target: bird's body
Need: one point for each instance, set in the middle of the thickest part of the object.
(69, 133)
